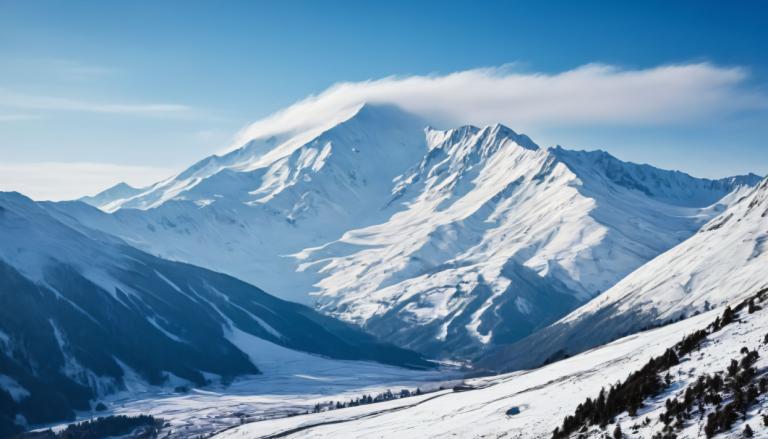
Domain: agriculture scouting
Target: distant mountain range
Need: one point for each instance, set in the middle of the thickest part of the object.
(448, 242)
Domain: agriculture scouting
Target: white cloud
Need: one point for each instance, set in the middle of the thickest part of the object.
(13, 99)
(592, 94)
(55, 68)
(66, 181)
(205, 135)
(71, 69)
(16, 117)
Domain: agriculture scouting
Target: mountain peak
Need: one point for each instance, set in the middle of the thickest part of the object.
(382, 113)
(521, 139)
(497, 131)
(119, 191)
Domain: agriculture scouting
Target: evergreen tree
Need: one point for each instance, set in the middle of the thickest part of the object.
(727, 317)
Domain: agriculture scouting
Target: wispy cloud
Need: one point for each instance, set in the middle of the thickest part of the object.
(11, 99)
(66, 74)
(56, 68)
(591, 94)
(66, 181)
(206, 134)
(17, 117)
(72, 69)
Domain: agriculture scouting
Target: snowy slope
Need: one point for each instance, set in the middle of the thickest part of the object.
(486, 208)
(445, 241)
(727, 259)
(83, 316)
(546, 395)
(247, 212)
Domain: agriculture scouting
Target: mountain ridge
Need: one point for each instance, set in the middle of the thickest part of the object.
(311, 218)
(723, 262)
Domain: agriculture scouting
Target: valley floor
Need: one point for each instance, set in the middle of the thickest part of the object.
(543, 396)
(292, 382)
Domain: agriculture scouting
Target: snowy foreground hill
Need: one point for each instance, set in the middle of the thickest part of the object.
(533, 403)
(447, 242)
(83, 316)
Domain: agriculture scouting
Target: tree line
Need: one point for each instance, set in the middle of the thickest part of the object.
(650, 380)
(365, 399)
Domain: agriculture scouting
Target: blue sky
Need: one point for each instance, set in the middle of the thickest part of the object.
(146, 88)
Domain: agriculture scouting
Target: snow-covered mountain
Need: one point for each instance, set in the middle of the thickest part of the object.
(724, 262)
(445, 241)
(247, 212)
(117, 192)
(83, 315)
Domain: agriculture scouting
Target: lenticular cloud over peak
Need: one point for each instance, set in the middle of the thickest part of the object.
(590, 94)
